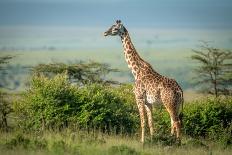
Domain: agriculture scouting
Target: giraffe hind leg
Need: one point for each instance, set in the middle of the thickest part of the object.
(175, 123)
(148, 108)
(177, 128)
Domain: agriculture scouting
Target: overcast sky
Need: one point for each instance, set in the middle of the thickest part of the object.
(80, 23)
(139, 13)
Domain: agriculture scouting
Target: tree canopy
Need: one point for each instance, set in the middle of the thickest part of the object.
(214, 70)
(82, 73)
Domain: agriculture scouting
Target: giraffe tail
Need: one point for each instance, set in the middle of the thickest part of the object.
(182, 107)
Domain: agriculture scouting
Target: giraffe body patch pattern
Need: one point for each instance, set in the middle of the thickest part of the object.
(150, 87)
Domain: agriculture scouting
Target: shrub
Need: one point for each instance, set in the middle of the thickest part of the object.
(224, 137)
(49, 103)
(105, 108)
(162, 122)
(5, 110)
(55, 104)
(207, 118)
(162, 128)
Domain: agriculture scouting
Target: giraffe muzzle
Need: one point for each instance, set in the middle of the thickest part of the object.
(105, 34)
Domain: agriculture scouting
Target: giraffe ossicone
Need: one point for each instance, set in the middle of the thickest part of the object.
(149, 85)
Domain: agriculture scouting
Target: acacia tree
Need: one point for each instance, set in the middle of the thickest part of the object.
(5, 110)
(81, 73)
(4, 60)
(214, 70)
(5, 107)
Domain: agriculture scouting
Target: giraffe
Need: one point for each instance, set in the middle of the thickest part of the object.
(149, 87)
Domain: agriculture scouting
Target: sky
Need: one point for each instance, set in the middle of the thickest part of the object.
(139, 13)
(77, 23)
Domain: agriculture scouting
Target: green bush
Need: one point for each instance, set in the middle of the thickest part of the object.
(5, 110)
(104, 107)
(162, 122)
(207, 118)
(48, 104)
(55, 104)
(162, 128)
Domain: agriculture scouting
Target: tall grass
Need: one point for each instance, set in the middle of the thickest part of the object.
(97, 143)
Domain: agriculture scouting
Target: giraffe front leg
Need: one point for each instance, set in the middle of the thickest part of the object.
(140, 104)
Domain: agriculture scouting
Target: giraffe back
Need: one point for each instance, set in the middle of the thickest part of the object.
(160, 89)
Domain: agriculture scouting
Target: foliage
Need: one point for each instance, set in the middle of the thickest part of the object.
(161, 120)
(13, 77)
(5, 110)
(6, 77)
(4, 59)
(214, 73)
(82, 73)
(162, 127)
(106, 108)
(54, 104)
(209, 118)
(5, 107)
(49, 103)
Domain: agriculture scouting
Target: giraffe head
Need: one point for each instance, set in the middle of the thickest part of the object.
(116, 29)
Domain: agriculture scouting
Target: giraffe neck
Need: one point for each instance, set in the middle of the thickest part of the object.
(134, 61)
(138, 66)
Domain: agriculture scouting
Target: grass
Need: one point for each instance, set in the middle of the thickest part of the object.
(81, 142)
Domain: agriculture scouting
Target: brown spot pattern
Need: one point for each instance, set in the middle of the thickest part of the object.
(148, 81)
